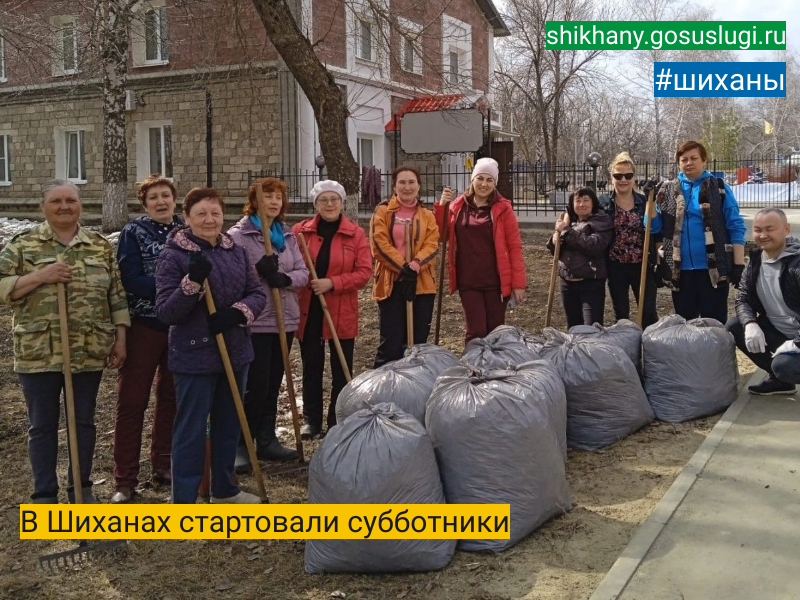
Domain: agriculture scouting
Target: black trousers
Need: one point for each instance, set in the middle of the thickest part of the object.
(392, 316)
(312, 349)
(784, 367)
(584, 301)
(623, 276)
(698, 298)
(264, 380)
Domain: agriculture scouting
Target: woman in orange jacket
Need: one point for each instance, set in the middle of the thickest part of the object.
(343, 265)
(485, 263)
(398, 280)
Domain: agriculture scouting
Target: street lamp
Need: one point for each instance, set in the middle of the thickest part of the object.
(320, 162)
(594, 159)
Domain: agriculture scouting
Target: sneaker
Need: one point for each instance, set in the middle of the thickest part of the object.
(240, 498)
(772, 386)
(309, 431)
(122, 495)
(242, 463)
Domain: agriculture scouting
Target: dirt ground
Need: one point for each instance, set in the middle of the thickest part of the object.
(613, 491)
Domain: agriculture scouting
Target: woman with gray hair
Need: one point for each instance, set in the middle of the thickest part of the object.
(60, 251)
(343, 264)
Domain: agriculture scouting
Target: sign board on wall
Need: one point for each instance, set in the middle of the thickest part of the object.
(441, 131)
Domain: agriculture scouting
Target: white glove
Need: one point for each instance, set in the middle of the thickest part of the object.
(754, 339)
(787, 347)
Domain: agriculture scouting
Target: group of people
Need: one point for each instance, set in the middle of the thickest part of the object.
(696, 247)
(145, 311)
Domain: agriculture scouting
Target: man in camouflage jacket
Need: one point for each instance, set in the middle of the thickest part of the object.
(61, 251)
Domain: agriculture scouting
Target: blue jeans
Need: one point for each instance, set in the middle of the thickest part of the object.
(197, 398)
(42, 393)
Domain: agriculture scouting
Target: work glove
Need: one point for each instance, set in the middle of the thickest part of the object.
(199, 267)
(224, 319)
(735, 276)
(754, 339)
(408, 283)
(787, 347)
(278, 280)
(650, 184)
(267, 265)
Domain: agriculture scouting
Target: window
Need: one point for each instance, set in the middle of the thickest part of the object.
(364, 41)
(410, 55)
(65, 44)
(5, 161)
(74, 156)
(160, 147)
(453, 70)
(365, 153)
(2, 59)
(155, 34)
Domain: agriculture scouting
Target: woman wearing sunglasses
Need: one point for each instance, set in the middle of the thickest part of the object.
(626, 208)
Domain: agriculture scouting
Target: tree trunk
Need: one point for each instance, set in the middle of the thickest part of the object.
(113, 53)
(330, 109)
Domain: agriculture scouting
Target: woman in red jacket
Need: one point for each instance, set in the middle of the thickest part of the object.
(343, 262)
(485, 259)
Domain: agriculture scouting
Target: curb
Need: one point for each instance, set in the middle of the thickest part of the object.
(621, 572)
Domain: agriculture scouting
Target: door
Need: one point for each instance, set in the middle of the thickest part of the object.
(503, 153)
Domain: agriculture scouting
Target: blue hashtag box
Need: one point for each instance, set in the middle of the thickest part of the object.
(719, 80)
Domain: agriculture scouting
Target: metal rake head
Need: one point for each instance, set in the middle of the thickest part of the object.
(80, 555)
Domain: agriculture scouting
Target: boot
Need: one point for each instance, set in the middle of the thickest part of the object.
(310, 430)
(88, 497)
(242, 464)
(269, 448)
(45, 498)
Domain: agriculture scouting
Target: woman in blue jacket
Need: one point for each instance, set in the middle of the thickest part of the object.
(703, 245)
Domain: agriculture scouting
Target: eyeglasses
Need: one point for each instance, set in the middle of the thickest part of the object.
(329, 201)
(619, 176)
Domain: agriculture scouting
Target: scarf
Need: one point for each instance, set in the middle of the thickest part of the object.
(276, 235)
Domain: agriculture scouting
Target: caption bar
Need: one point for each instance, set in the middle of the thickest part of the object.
(665, 35)
(265, 521)
(719, 80)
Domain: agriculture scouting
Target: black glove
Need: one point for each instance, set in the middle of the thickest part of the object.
(199, 267)
(224, 319)
(278, 280)
(267, 265)
(408, 283)
(735, 276)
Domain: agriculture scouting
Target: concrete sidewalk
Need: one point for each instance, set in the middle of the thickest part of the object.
(729, 527)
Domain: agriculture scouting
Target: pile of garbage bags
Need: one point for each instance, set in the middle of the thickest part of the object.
(689, 368)
(378, 455)
(496, 434)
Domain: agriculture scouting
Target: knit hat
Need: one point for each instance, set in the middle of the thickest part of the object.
(486, 165)
(326, 185)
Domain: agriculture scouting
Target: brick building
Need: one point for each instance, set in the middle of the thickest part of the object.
(200, 71)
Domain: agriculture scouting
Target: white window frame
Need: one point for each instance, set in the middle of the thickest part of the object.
(165, 155)
(457, 37)
(359, 154)
(359, 23)
(143, 153)
(62, 153)
(139, 35)
(3, 77)
(410, 33)
(60, 24)
(5, 166)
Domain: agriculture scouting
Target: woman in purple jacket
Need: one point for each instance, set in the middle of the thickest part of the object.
(286, 271)
(193, 254)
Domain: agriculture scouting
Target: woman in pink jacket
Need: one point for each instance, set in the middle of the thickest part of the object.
(485, 262)
(343, 263)
(286, 271)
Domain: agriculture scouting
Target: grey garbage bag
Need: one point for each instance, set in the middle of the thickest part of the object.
(496, 436)
(689, 368)
(406, 382)
(605, 399)
(517, 334)
(378, 455)
(497, 354)
(624, 333)
(436, 358)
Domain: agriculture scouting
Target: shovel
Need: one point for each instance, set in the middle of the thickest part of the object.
(651, 213)
(551, 292)
(409, 305)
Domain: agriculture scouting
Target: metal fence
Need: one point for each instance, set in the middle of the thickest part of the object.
(757, 182)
